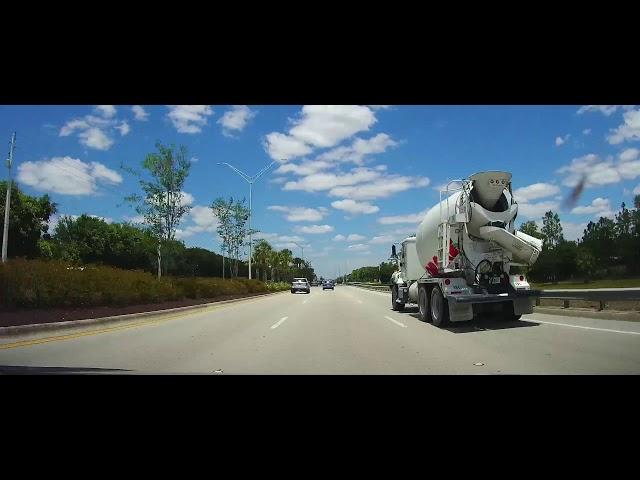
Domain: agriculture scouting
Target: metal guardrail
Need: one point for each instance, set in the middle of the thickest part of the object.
(370, 286)
(602, 296)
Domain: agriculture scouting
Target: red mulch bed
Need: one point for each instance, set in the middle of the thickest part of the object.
(14, 317)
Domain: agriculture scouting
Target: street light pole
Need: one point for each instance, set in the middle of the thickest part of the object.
(250, 181)
(301, 248)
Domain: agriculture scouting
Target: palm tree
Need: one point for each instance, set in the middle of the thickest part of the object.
(285, 258)
(261, 256)
(272, 260)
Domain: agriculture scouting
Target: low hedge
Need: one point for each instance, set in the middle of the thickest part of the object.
(42, 283)
(278, 286)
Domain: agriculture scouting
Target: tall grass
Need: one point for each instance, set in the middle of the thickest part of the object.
(42, 284)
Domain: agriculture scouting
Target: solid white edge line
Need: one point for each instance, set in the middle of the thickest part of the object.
(396, 322)
(279, 322)
(583, 327)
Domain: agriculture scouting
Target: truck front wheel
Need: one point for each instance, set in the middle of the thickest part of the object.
(396, 307)
(423, 304)
(439, 308)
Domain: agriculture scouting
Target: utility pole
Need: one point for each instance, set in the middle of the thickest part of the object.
(250, 181)
(7, 205)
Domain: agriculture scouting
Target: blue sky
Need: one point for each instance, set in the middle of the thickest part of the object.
(350, 179)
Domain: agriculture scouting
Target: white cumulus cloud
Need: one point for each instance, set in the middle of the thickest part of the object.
(629, 154)
(414, 218)
(319, 126)
(189, 118)
(597, 171)
(535, 191)
(107, 111)
(382, 187)
(236, 119)
(598, 206)
(315, 229)
(354, 207)
(283, 147)
(627, 131)
(327, 125)
(199, 219)
(535, 210)
(66, 176)
(382, 239)
(95, 138)
(359, 149)
(96, 131)
(139, 113)
(123, 128)
(300, 214)
(607, 110)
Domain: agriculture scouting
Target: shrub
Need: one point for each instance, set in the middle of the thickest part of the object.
(55, 283)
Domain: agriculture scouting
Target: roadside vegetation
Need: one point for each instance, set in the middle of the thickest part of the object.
(86, 261)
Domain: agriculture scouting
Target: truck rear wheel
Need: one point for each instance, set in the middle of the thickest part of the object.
(439, 308)
(396, 307)
(423, 304)
(508, 314)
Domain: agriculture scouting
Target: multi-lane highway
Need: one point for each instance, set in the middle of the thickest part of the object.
(346, 331)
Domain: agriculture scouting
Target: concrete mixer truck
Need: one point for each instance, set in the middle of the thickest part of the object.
(466, 257)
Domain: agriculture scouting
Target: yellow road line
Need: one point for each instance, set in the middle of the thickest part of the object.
(36, 341)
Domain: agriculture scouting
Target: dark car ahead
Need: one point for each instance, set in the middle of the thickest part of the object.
(327, 284)
(300, 285)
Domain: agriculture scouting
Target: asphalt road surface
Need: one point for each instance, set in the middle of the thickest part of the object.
(346, 331)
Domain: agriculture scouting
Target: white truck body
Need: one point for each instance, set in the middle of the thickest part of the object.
(466, 246)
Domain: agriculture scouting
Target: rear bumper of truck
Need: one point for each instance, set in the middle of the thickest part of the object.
(493, 297)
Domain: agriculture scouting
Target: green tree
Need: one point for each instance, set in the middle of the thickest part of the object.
(163, 204)
(28, 221)
(627, 243)
(600, 239)
(552, 230)
(586, 263)
(261, 256)
(232, 228)
(386, 270)
(531, 228)
(284, 261)
(273, 258)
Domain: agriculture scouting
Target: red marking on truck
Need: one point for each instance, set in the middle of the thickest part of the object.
(432, 267)
(453, 251)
